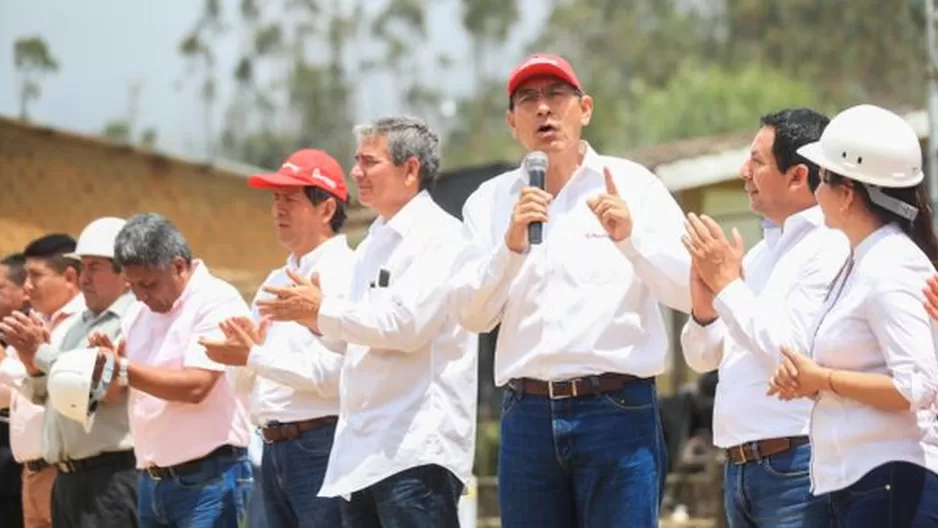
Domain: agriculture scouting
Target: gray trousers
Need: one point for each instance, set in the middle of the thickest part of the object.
(102, 497)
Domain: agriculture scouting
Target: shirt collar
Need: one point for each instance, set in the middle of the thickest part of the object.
(402, 222)
(318, 253)
(198, 276)
(812, 216)
(117, 308)
(867, 243)
(592, 163)
(72, 307)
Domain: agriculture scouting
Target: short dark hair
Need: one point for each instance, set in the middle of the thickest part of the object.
(16, 268)
(794, 128)
(318, 196)
(52, 249)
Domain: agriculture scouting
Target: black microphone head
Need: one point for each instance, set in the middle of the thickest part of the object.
(535, 160)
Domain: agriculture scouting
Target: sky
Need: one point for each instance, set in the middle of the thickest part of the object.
(103, 46)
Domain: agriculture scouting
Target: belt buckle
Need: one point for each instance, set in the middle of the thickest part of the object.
(550, 390)
(153, 474)
(742, 453)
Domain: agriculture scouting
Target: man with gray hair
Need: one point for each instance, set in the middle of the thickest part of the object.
(190, 431)
(407, 398)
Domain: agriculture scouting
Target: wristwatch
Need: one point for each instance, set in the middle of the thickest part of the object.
(122, 379)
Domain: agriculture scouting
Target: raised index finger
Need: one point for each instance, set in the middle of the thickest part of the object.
(610, 183)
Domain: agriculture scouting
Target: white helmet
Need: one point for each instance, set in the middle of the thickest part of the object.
(70, 384)
(97, 239)
(871, 145)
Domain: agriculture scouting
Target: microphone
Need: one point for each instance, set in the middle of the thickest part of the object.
(535, 164)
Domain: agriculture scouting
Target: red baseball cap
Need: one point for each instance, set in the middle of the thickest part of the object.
(542, 64)
(304, 168)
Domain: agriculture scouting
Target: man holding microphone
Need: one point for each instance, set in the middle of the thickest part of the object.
(581, 336)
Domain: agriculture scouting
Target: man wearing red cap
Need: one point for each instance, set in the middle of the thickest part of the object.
(291, 375)
(407, 407)
(581, 337)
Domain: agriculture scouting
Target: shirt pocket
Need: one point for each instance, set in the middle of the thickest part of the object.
(590, 257)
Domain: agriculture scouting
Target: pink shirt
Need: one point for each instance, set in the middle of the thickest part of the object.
(168, 433)
(25, 416)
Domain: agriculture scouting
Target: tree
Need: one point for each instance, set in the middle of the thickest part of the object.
(33, 59)
(480, 133)
(124, 128)
(854, 50)
(196, 48)
(700, 101)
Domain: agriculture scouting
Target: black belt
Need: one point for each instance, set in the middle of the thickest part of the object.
(116, 460)
(192, 466)
(36, 465)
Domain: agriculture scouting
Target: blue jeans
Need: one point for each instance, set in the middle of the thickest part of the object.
(257, 518)
(591, 461)
(215, 496)
(894, 495)
(774, 492)
(420, 497)
(293, 473)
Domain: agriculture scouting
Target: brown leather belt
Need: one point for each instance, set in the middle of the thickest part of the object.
(36, 465)
(752, 451)
(116, 460)
(574, 388)
(276, 431)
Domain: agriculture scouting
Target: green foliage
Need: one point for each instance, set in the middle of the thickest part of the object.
(700, 101)
(117, 130)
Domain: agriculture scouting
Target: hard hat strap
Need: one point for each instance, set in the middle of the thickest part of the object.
(895, 205)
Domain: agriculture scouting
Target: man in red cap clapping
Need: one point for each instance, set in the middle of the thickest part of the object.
(292, 375)
(581, 337)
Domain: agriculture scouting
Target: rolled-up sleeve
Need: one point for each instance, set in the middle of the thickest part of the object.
(703, 345)
(907, 337)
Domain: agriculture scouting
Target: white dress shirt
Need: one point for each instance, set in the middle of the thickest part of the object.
(409, 379)
(788, 275)
(874, 321)
(293, 376)
(578, 304)
(26, 417)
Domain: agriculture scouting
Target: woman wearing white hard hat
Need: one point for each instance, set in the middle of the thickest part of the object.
(872, 368)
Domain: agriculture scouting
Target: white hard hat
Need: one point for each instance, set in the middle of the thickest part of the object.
(871, 145)
(70, 384)
(97, 239)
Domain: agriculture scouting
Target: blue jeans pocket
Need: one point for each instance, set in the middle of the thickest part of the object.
(208, 475)
(317, 442)
(634, 397)
(793, 463)
(510, 400)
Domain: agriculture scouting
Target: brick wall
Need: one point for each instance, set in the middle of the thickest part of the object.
(53, 181)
